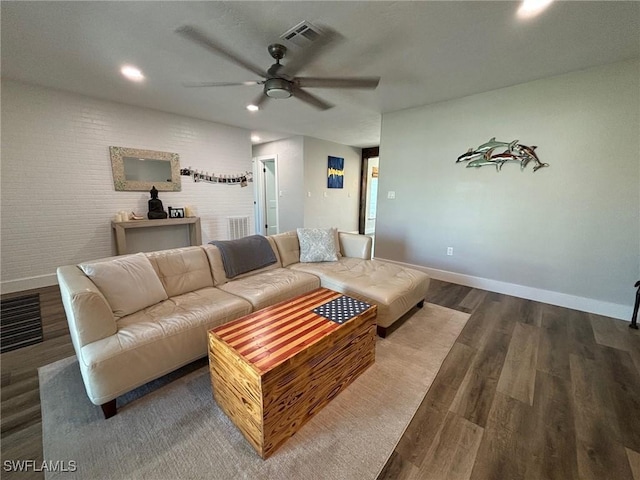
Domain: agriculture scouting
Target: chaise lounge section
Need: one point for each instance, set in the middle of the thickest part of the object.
(394, 289)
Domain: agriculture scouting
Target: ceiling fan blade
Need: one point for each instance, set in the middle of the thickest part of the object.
(346, 82)
(311, 99)
(196, 36)
(260, 100)
(218, 84)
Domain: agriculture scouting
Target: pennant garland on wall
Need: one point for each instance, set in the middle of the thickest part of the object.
(240, 179)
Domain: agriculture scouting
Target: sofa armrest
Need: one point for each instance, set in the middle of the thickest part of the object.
(88, 313)
(355, 245)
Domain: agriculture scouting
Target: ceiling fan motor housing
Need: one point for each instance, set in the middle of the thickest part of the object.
(277, 51)
(277, 88)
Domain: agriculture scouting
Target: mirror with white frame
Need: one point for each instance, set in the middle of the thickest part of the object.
(137, 170)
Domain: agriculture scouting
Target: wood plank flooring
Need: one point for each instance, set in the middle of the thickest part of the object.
(529, 391)
(20, 416)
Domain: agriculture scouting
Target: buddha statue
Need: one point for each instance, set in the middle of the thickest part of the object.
(156, 211)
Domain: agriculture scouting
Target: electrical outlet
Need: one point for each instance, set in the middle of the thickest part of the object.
(391, 195)
(449, 251)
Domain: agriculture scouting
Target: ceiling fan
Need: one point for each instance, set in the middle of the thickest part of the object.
(279, 81)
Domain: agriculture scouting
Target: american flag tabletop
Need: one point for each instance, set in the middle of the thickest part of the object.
(341, 309)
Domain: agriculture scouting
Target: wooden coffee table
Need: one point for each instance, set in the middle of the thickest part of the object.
(274, 369)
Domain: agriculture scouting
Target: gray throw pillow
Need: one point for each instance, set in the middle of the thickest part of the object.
(317, 245)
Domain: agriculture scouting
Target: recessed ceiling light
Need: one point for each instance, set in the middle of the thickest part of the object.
(531, 8)
(132, 73)
(255, 138)
(253, 108)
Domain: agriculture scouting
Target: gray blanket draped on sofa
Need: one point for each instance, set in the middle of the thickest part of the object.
(245, 254)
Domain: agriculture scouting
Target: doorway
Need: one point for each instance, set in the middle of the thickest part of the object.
(368, 190)
(372, 196)
(265, 173)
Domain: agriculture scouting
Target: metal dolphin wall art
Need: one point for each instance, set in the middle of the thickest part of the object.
(513, 152)
(481, 162)
(497, 160)
(492, 145)
(529, 154)
(469, 155)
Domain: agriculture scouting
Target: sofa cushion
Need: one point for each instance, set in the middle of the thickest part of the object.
(355, 245)
(155, 341)
(288, 247)
(271, 286)
(245, 254)
(182, 270)
(217, 268)
(129, 283)
(215, 262)
(317, 244)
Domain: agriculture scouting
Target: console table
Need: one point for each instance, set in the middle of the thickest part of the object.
(120, 228)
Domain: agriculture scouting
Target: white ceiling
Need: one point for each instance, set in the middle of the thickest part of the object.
(425, 52)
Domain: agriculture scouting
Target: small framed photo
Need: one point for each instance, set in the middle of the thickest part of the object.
(176, 212)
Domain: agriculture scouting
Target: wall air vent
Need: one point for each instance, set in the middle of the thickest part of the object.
(302, 34)
(238, 227)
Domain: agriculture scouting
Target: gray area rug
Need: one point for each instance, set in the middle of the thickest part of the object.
(173, 429)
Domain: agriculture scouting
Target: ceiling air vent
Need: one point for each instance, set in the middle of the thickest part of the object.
(302, 34)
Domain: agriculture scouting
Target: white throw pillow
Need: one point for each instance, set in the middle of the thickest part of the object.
(129, 283)
(317, 245)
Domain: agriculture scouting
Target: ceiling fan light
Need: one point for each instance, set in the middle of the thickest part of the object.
(279, 93)
(277, 88)
(253, 108)
(132, 73)
(531, 8)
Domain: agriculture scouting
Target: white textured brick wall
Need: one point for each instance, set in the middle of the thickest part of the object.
(57, 185)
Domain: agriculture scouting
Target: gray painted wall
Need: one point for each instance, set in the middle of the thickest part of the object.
(290, 179)
(572, 228)
(339, 208)
(302, 170)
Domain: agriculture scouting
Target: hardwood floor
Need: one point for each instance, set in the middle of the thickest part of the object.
(20, 418)
(529, 391)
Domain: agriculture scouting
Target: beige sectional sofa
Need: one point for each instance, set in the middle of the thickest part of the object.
(134, 318)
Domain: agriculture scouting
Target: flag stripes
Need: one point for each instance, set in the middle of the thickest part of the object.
(272, 335)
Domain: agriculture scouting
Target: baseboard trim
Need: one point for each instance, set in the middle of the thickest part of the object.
(29, 283)
(599, 307)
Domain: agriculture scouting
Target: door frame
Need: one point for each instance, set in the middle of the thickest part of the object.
(259, 193)
(367, 153)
